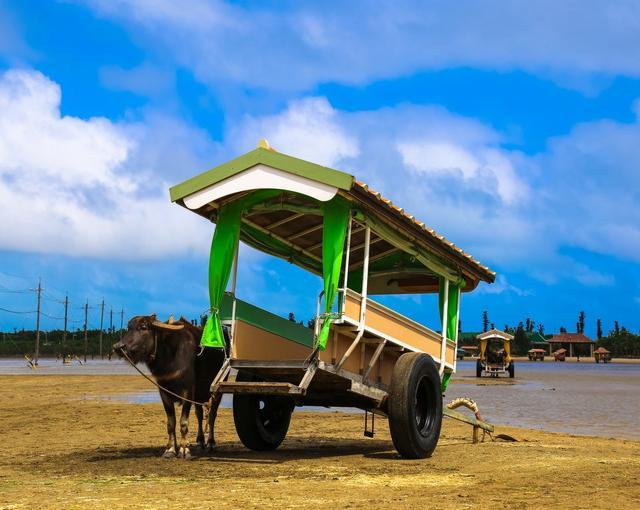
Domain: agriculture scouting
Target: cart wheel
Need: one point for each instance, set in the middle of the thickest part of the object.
(512, 370)
(261, 421)
(415, 405)
(478, 369)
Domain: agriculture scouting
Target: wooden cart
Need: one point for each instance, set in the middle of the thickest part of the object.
(495, 361)
(536, 354)
(359, 353)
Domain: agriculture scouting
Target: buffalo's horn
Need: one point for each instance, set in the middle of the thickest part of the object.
(170, 327)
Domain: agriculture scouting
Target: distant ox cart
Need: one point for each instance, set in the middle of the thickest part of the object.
(602, 355)
(560, 355)
(536, 354)
(358, 353)
(495, 354)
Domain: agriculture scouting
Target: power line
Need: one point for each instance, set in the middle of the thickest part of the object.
(52, 317)
(17, 311)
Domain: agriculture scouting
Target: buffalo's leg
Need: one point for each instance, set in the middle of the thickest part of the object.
(200, 436)
(169, 409)
(213, 413)
(184, 430)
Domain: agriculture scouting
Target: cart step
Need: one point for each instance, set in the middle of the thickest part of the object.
(261, 388)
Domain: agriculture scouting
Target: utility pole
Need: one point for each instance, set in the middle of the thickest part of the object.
(110, 331)
(86, 313)
(37, 353)
(121, 321)
(101, 325)
(64, 334)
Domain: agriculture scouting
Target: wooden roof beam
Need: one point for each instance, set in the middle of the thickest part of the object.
(281, 222)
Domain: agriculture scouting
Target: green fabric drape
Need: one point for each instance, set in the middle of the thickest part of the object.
(452, 307)
(334, 231)
(223, 250)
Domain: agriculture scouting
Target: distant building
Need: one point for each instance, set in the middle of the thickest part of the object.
(537, 341)
(575, 343)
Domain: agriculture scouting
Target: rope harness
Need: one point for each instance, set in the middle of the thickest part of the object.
(473, 406)
(207, 405)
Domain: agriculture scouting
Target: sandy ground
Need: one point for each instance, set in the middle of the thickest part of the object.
(66, 448)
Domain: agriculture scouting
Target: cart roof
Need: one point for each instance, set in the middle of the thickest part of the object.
(495, 333)
(406, 256)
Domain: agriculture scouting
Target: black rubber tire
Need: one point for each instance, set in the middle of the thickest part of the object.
(478, 369)
(261, 421)
(512, 370)
(415, 405)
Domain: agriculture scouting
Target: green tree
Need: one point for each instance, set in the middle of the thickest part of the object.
(521, 340)
(599, 329)
(580, 324)
(485, 321)
(621, 343)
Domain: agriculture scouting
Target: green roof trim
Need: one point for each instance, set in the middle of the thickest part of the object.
(267, 321)
(318, 173)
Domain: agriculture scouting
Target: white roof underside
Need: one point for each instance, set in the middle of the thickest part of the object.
(260, 177)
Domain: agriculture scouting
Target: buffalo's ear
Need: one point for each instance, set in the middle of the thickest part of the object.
(169, 327)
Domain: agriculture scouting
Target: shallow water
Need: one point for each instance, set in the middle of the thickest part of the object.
(578, 398)
(51, 366)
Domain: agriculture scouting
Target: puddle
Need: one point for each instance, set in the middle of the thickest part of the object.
(152, 397)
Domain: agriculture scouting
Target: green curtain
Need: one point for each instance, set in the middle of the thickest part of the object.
(452, 307)
(334, 231)
(223, 250)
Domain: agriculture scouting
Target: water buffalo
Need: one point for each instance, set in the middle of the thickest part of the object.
(172, 353)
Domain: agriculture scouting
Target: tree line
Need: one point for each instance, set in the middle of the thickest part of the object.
(53, 343)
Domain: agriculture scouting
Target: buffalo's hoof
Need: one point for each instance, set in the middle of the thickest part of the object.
(185, 453)
(201, 445)
(169, 453)
(210, 448)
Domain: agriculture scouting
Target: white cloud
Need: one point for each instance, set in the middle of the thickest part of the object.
(67, 185)
(488, 167)
(308, 128)
(90, 187)
(297, 45)
(502, 285)
(511, 210)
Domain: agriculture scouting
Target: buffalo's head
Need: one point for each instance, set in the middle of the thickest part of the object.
(139, 343)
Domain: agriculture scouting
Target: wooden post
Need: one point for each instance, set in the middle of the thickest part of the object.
(37, 353)
(64, 334)
(101, 326)
(86, 313)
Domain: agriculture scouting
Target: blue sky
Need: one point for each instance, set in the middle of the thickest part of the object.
(510, 127)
